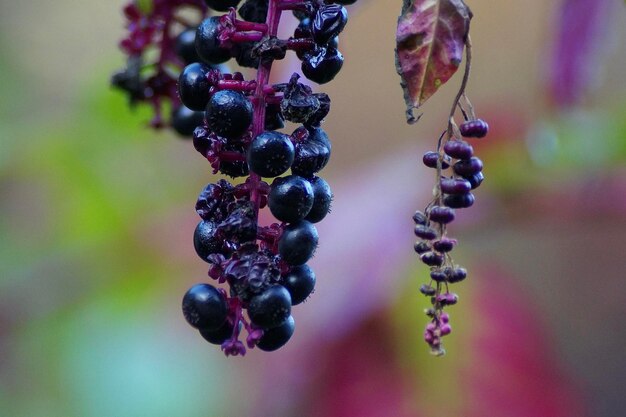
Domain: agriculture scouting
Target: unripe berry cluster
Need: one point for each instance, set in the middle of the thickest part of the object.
(264, 267)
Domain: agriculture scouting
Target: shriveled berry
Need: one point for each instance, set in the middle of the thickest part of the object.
(322, 64)
(205, 240)
(430, 160)
(443, 215)
(298, 242)
(455, 186)
(420, 218)
(427, 290)
(457, 275)
(421, 247)
(425, 232)
(275, 338)
(475, 180)
(185, 120)
(474, 129)
(322, 199)
(229, 114)
(458, 149)
(312, 154)
(432, 259)
(444, 245)
(290, 198)
(270, 154)
(316, 118)
(208, 43)
(270, 308)
(329, 21)
(300, 282)
(204, 307)
(221, 5)
(274, 119)
(219, 336)
(234, 168)
(468, 167)
(193, 86)
(459, 200)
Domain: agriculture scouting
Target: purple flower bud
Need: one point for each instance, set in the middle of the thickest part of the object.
(457, 275)
(448, 299)
(445, 318)
(458, 149)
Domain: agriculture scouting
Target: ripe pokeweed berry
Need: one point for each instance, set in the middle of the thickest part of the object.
(204, 307)
(298, 242)
(185, 120)
(221, 5)
(443, 215)
(475, 180)
(206, 241)
(432, 259)
(459, 200)
(300, 282)
(420, 218)
(457, 275)
(458, 149)
(329, 21)
(193, 86)
(219, 336)
(455, 186)
(316, 118)
(254, 11)
(270, 154)
(425, 232)
(270, 308)
(438, 275)
(275, 338)
(290, 198)
(322, 199)
(427, 290)
(185, 46)
(430, 160)
(468, 167)
(274, 119)
(444, 245)
(474, 129)
(229, 114)
(208, 44)
(321, 65)
(421, 247)
(312, 154)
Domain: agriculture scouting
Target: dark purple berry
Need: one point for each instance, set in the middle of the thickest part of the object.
(275, 338)
(185, 46)
(428, 290)
(208, 44)
(458, 149)
(438, 275)
(430, 160)
(443, 215)
(444, 245)
(300, 282)
(420, 218)
(322, 199)
(270, 308)
(468, 167)
(205, 240)
(329, 21)
(193, 86)
(474, 129)
(185, 121)
(455, 186)
(221, 5)
(274, 119)
(219, 336)
(290, 198)
(459, 200)
(204, 307)
(298, 242)
(432, 259)
(322, 64)
(229, 114)
(254, 11)
(457, 275)
(475, 180)
(312, 154)
(421, 247)
(270, 154)
(425, 232)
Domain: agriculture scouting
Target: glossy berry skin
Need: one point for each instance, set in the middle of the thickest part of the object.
(270, 308)
(254, 11)
(468, 167)
(420, 218)
(444, 245)
(421, 247)
(432, 259)
(457, 275)
(229, 114)
(459, 200)
(425, 232)
(290, 198)
(443, 215)
(329, 21)
(475, 180)
(270, 154)
(221, 5)
(298, 242)
(438, 276)
(193, 86)
(455, 186)
(313, 154)
(185, 121)
(185, 46)
(322, 199)
(219, 336)
(474, 129)
(430, 160)
(275, 338)
(204, 307)
(300, 282)
(322, 65)
(208, 44)
(458, 149)
(205, 240)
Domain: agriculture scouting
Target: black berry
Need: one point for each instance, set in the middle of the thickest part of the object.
(219, 336)
(229, 114)
(270, 308)
(300, 282)
(430, 160)
(322, 64)
(329, 21)
(322, 199)
(298, 242)
(185, 46)
(208, 44)
(458, 149)
(277, 337)
(290, 198)
(312, 154)
(204, 307)
(193, 86)
(474, 129)
(270, 154)
(205, 240)
(468, 167)
(459, 200)
(475, 180)
(185, 120)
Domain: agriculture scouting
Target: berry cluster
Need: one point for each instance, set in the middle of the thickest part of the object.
(264, 267)
(458, 173)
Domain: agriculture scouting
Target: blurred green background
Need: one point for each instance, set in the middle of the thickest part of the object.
(96, 219)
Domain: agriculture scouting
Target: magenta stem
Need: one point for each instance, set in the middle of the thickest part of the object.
(244, 26)
(240, 37)
(300, 44)
(236, 85)
(292, 5)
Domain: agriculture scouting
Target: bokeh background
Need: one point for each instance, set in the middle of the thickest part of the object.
(96, 219)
